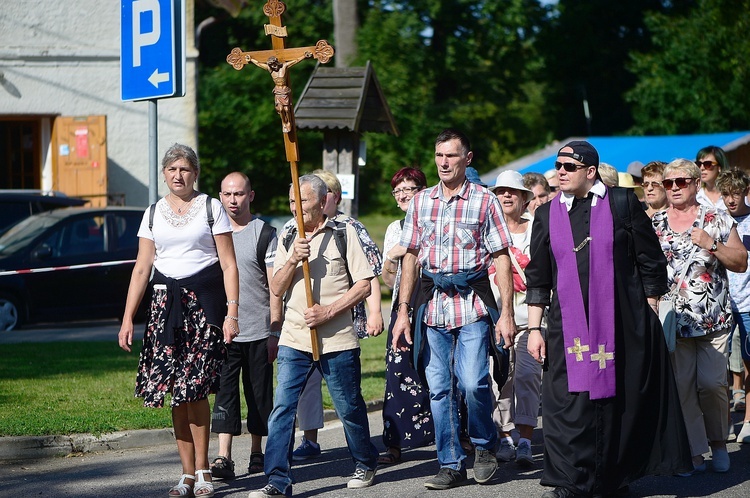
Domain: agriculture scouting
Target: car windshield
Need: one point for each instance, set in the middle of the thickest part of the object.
(22, 233)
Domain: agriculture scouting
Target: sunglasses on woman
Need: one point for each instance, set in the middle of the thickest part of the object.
(680, 182)
(706, 164)
(569, 167)
(651, 184)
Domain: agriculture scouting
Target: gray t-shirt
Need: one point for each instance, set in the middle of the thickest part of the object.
(255, 308)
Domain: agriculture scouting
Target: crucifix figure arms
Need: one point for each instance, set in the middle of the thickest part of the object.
(281, 91)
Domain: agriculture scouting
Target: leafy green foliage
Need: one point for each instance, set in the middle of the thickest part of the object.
(468, 64)
(586, 48)
(697, 78)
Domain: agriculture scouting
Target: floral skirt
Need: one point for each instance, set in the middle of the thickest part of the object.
(407, 419)
(190, 368)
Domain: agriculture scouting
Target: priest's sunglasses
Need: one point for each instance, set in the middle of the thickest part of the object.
(569, 167)
(680, 182)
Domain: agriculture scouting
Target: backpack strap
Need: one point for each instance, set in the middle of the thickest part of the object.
(263, 240)
(289, 237)
(339, 237)
(210, 214)
(151, 212)
(620, 198)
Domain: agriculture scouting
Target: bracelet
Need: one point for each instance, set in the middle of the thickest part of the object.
(404, 302)
(233, 301)
(230, 317)
(394, 261)
(389, 271)
(534, 328)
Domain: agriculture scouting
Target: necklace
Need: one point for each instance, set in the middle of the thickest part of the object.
(184, 205)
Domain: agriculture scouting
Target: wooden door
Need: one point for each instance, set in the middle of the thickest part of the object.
(79, 157)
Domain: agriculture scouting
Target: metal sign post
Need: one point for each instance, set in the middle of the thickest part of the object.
(152, 62)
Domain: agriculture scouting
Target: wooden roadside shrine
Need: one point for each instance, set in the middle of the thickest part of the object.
(277, 61)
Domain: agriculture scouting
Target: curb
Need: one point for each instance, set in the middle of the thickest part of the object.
(35, 447)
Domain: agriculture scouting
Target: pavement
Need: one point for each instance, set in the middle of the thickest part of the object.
(144, 463)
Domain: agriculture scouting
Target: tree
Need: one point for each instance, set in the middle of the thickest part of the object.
(467, 64)
(696, 78)
(470, 64)
(586, 48)
(238, 126)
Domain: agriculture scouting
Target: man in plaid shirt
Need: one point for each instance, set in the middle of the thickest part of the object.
(454, 231)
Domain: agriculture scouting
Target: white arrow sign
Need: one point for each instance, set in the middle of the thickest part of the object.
(157, 77)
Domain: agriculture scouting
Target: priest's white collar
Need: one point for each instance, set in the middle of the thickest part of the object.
(598, 189)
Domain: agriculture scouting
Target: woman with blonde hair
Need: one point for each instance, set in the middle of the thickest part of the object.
(700, 244)
(186, 238)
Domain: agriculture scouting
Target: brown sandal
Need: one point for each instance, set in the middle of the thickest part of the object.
(389, 457)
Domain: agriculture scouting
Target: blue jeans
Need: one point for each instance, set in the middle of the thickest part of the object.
(342, 372)
(742, 319)
(457, 366)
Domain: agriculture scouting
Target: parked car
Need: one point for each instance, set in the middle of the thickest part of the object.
(67, 264)
(16, 205)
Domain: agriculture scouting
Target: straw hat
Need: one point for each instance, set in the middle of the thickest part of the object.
(626, 180)
(512, 179)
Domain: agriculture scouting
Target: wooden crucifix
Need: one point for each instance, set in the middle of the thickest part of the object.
(277, 62)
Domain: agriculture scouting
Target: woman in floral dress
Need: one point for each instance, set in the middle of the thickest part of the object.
(407, 420)
(705, 239)
(193, 310)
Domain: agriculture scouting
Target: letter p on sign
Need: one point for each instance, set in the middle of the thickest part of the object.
(140, 9)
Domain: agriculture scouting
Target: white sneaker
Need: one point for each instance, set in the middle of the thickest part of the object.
(507, 451)
(361, 479)
(744, 435)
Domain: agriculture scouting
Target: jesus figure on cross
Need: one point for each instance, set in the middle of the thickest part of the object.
(282, 92)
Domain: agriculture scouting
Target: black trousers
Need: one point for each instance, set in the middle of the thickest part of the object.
(248, 360)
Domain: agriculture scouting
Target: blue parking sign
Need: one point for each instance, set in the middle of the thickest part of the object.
(152, 55)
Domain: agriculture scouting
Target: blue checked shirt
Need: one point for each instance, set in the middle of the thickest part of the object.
(453, 235)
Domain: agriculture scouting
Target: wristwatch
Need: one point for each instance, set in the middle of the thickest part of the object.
(409, 309)
(714, 247)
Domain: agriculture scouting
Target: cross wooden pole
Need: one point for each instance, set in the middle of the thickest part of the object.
(277, 61)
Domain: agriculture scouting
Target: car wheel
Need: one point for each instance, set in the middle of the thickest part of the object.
(9, 314)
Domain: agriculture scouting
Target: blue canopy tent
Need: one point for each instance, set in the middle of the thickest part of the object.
(621, 151)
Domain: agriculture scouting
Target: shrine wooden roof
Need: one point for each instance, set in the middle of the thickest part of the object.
(348, 98)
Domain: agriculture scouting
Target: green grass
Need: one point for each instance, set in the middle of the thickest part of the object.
(78, 387)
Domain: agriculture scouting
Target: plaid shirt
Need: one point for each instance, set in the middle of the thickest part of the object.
(455, 235)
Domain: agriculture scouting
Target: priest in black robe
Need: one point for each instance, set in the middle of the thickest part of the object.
(609, 399)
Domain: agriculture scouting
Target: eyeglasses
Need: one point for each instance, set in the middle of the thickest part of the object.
(706, 164)
(404, 190)
(569, 167)
(651, 184)
(680, 182)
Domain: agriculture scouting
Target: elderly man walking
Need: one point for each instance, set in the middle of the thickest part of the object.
(339, 362)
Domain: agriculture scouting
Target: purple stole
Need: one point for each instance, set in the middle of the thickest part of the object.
(589, 345)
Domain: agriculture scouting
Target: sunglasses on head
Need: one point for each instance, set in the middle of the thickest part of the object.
(569, 167)
(706, 164)
(680, 182)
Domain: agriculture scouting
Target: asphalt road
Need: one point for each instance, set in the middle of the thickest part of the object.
(151, 470)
